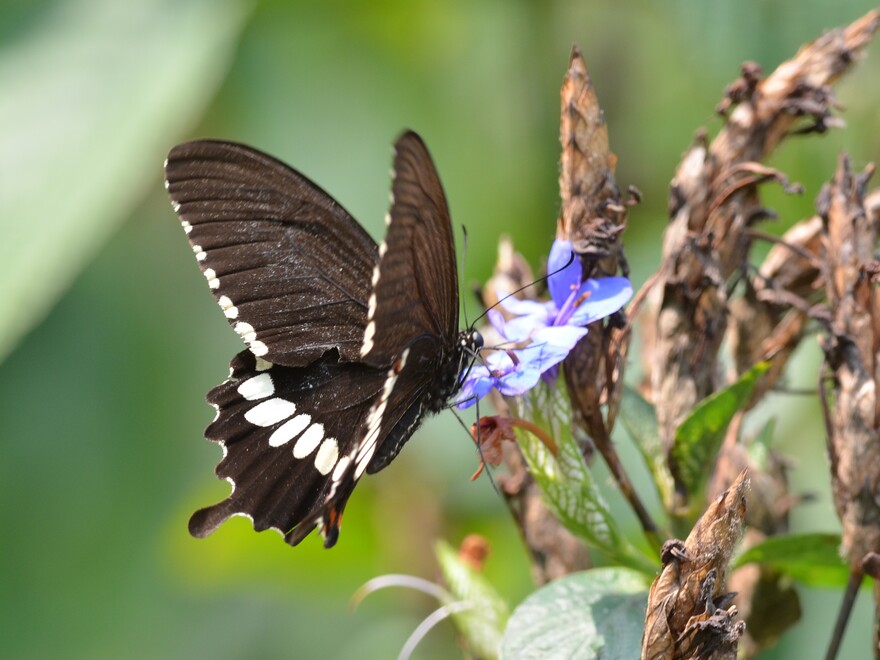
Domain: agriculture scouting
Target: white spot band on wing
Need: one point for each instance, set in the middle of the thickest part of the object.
(327, 456)
(308, 441)
(368, 338)
(367, 446)
(270, 412)
(256, 388)
(289, 430)
(341, 467)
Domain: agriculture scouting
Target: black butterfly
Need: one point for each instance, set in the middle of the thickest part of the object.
(350, 344)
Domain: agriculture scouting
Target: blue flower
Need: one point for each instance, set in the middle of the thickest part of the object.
(548, 330)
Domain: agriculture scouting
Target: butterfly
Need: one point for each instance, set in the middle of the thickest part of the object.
(349, 344)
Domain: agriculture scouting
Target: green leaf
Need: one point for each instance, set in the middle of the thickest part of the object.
(759, 448)
(94, 94)
(565, 479)
(640, 420)
(699, 438)
(593, 614)
(811, 559)
(483, 623)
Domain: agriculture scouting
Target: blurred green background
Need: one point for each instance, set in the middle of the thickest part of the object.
(111, 339)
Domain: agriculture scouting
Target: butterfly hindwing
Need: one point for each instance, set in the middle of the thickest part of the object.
(289, 267)
(288, 435)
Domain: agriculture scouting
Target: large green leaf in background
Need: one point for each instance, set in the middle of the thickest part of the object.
(592, 614)
(812, 559)
(93, 93)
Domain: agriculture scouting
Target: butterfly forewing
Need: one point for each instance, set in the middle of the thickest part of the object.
(415, 282)
(289, 266)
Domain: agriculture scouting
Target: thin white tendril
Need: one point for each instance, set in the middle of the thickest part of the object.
(429, 622)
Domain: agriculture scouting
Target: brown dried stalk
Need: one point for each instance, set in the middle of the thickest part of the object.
(689, 614)
(851, 357)
(714, 202)
(852, 406)
(768, 321)
(592, 217)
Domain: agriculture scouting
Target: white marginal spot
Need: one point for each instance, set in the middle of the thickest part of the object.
(183, 223)
(375, 279)
(256, 388)
(383, 248)
(211, 276)
(230, 310)
(216, 412)
(245, 331)
(176, 207)
(167, 182)
(261, 365)
(199, 252)
(270, 412)
(242, 514)
(341, 467)
(371, 306)
(308, 441)
(327, 455)
(388, 215)
(289, 430)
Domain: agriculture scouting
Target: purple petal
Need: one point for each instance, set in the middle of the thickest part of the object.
(524, 307)
(607, 295)
(530, 315)
(563, 283)
(496, 318)
(479, 383)
(556, 340)
(521, 328)
(524, 378)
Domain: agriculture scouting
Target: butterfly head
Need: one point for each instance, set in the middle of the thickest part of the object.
(471, 341)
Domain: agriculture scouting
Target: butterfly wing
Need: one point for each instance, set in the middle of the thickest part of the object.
(415, 282)
(297, 440)
(349, 345)
(289, 267)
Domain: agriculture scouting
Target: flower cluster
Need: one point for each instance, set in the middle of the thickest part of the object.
(544, 332)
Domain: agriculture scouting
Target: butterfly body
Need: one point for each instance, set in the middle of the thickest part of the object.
(350, 344)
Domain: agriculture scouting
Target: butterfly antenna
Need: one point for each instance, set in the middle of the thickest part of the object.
(464, 249)
(526, 286)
